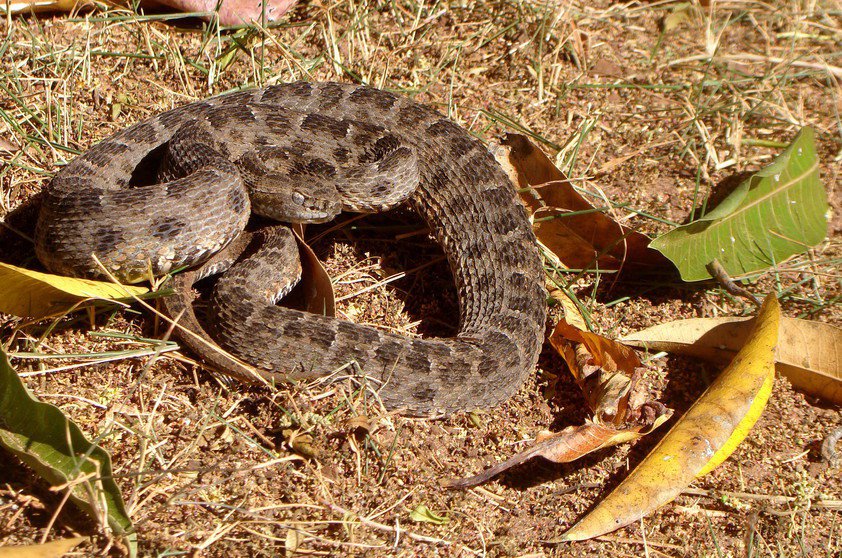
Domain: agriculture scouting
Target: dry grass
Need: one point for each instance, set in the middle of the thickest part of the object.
(656, 118)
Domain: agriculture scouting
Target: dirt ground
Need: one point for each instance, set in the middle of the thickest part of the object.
(654, 109)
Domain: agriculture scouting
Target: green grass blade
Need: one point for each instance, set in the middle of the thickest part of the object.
(779, 211)
(56, 449)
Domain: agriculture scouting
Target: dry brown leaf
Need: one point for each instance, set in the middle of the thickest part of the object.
(572, 315)
(357, 423)
(301, 443)
(319, 296)
(572, 443)
(809, 353)
(572, 250)
(565, 222)
(606, 372)
(605, 67)
(607, 353)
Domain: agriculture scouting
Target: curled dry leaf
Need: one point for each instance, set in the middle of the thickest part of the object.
(301, 443)
(33, 294)
(572, 314)
(359, 423)
(580, 235)
(702, 439)
(606, 372)
(319, 296)
(809, 353)
(572, 443)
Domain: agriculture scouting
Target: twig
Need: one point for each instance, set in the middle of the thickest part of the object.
(721, 276)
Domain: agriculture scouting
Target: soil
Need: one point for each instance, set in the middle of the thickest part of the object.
(656, 105)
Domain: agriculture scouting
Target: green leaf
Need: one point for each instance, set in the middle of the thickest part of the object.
(54, 447)
(779, 211)
(423, 514)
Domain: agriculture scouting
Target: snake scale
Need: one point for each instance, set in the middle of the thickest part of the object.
(304, 152)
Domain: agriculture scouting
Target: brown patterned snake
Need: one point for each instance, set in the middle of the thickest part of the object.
(302, 152)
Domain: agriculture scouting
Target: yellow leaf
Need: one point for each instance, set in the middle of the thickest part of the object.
(52, 549)
(704, 437)
(680, 14)
(28, 293)
(809, 353)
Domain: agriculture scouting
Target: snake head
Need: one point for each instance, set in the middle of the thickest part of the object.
(317, 204)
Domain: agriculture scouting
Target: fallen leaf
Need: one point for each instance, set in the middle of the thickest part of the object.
(33, 294)
(606, 372)
(570, 444)
(52, 549)
(36, 6)
(702, 439)
(56, 449)
(578, 234)
(779, 211)
(572, 315)
(358, 423)
(809, 353)
(681, 13)
(319, 296)
(605, 67)
(423, 514)
(301, 443)
(292, 541)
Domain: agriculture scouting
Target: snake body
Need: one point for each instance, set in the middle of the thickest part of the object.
(309, 145)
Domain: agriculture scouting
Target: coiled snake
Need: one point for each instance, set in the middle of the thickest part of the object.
(302, 152)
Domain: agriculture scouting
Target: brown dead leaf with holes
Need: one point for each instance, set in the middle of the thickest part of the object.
(580, 235)
(607, 373)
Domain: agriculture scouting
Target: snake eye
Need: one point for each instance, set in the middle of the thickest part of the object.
(298, 198)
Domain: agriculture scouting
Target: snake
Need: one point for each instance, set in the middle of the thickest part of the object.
(176, 191)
